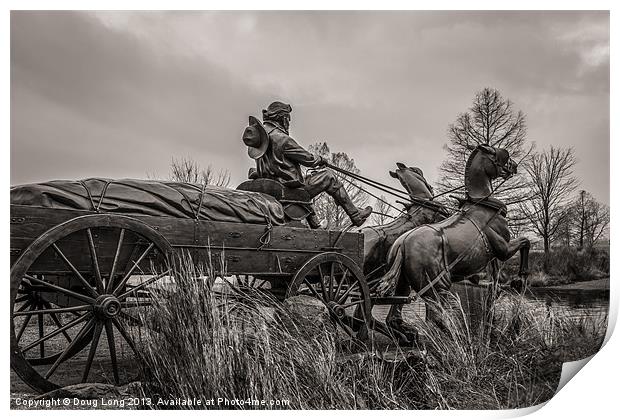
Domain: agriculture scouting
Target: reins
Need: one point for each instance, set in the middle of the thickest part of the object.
(389, 190)
(380, 186)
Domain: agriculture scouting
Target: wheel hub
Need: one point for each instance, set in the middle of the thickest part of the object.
(107, 306)
(336, 309)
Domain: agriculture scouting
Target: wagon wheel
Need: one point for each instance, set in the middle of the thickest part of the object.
(56, 313)
(247, 281)
(338, 282)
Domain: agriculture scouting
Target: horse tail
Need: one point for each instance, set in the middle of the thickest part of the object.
(387, 284)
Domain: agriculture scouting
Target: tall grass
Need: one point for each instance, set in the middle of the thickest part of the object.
(206, 344)
(512, 358)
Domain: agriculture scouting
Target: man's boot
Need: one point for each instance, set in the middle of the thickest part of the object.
(357, 215)
(313, 221)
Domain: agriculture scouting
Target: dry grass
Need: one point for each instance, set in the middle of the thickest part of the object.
(511, 359)
(207, 344)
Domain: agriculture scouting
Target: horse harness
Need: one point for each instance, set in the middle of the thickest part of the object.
(450, 266)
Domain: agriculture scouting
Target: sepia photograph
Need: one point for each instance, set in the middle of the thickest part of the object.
(306, 210)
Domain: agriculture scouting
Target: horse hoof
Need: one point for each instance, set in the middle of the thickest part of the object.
(410, 338)
(517, 285)
(406, 334)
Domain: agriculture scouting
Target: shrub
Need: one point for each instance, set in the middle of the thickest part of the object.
(566, 265)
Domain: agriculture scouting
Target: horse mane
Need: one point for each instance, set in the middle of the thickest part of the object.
(470, 159)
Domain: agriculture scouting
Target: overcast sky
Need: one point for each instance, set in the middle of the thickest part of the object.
(118, 94)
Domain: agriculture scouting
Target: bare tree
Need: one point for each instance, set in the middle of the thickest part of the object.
(325, 207)
(382, 212)
(187, 170)
(519, 223)
(490, 120)
(591, 219)
(565, 234)
(552, 180)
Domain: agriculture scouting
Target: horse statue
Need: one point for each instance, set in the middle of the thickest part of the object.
(421, 210)
(430, 257)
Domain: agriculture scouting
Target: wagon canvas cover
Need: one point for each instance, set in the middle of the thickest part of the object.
(154, 198)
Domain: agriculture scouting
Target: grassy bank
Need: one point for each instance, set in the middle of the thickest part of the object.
(206, 344)
(565, 266)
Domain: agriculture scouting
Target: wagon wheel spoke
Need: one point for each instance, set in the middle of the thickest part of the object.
(56, 332)
(313, 290)
(246, 281)
(21, 308)
(71, 310)
(342, 279)
(95, 261)
(241, 280)
(126, 336)
(56, 320)
(144, 284)
(24, 325)
(79, 276)
(41, 331)
(93, 349)
(351, 326)
(22, 298)
(346, 294)
(132, 269)
(322, 277)
(332, 278)
(258, 284)
(132, 320)
(117, 254)
(127, 305)
(345, 327)
(69, 348)
(24, 288)
(352, 303)
(67, 292)
(109, 332)
(250, 282)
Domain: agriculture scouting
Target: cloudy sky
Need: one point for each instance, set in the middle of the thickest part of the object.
(118, 94)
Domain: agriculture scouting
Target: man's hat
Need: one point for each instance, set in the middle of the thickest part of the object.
(256, 138)
(276, 109)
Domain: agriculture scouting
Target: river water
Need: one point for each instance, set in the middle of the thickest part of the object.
(573, 303)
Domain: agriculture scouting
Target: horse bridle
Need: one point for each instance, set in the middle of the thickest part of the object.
(493, 158)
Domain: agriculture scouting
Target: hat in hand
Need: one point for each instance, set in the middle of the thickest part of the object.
(256, 138)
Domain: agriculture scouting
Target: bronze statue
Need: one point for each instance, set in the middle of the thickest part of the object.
(430, 257)
(280, 158)
(422, 210)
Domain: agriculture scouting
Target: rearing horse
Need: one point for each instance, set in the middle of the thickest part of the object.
(379, 239)
(428, 258)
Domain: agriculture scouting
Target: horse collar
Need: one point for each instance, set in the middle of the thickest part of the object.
(430, 205)
(489, 202)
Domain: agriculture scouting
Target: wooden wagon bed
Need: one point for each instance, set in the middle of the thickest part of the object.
(76, 273)
(253, 249)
